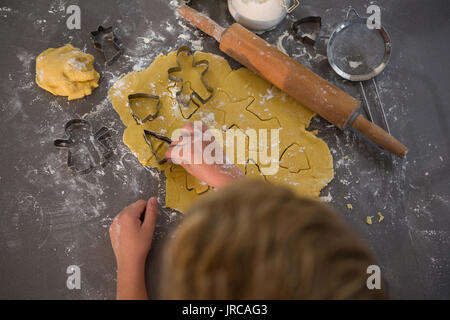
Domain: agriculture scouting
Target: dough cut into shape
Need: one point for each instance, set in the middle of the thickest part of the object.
(66, 71)
(241, 99)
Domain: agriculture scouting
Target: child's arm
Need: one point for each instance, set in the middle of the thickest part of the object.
(132, 230)
(216, 174)
(131, 236)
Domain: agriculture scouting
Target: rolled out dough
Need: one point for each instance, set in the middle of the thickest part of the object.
(242, 100)
(66, 71)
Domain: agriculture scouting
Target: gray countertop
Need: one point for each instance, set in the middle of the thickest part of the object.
(51, 218)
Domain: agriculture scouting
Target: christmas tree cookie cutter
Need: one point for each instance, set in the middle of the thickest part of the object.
(150, 144)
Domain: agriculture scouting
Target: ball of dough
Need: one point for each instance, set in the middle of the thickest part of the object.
(66, 71)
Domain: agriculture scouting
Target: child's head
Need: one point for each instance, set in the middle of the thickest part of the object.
(253, 240)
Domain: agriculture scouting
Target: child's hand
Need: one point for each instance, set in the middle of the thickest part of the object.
(132, 231)
(131, 237)
(214, 174)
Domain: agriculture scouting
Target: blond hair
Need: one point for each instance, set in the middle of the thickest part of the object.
(254, 240)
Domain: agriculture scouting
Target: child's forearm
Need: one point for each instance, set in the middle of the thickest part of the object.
(131, 237)
(131, 282)
(226, 174)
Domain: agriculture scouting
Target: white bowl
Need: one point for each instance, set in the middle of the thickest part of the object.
(256, 20)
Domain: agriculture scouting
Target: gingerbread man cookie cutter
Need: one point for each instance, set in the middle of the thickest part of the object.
(185, 102)
(87, 148)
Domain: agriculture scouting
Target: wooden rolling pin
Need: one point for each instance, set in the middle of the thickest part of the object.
(299, 82)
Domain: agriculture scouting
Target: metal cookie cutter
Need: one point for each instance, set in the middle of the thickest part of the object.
(87, 149)
(159, 137)
(151, 116)
(194, 94)
(98, 38)
(308, 38)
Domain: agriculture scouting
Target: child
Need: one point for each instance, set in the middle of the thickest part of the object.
(248, 240)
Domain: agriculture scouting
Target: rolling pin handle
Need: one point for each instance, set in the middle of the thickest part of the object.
(202, 22)
(379, 136)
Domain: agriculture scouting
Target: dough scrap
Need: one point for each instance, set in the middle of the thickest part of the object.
(66, 71)
(242, 100)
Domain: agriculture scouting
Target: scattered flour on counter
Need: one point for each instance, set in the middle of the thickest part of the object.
(193, 37)
(57, 6)
(26, 58)
(280, 41)
(303, 52)
(169, 28)
(5, 11)
(327, 198)
(140, 65)
(175, 4)
(151, 36)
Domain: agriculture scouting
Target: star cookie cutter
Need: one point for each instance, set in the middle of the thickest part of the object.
(87, 149)
(151, 116)
(159, 137)
(98, 38)
(185, 102)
